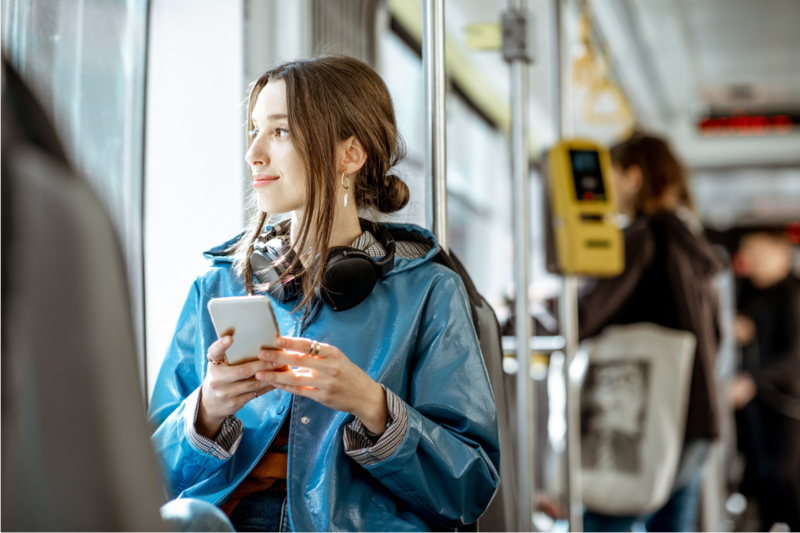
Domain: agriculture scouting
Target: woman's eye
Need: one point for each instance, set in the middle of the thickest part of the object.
(254, 132)
(280, 132)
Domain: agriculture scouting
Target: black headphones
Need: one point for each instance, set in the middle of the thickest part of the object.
(349, 277)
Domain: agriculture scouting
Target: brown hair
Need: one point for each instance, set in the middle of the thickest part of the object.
(660, 170)
(330, 99)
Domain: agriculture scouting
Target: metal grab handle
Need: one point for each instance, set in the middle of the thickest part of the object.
(435, 133)
(568, 305)
(516, 51)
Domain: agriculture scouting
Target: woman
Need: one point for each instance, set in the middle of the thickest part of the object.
(391, 423)
(667, 281)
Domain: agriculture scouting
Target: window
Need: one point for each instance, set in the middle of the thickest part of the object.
(85, 60)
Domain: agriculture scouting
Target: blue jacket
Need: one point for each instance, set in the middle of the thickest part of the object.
(414, 335)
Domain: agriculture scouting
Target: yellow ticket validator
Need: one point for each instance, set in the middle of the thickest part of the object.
(586, 235)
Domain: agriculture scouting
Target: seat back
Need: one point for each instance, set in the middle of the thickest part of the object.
(502, 512)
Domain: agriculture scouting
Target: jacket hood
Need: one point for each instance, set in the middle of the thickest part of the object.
(704, 259)
(401, 232)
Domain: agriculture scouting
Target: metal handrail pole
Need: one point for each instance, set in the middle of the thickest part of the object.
(569, 317)
(520, 165)
(435, 146)
(568, 304)
(524, 326)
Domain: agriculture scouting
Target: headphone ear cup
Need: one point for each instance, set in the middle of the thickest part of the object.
(348, 279)
(268, 265)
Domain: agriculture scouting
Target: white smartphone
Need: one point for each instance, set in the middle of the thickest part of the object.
(251, 322)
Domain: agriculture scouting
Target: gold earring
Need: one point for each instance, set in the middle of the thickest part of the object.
(347, 186)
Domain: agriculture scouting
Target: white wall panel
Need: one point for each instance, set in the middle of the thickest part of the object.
(194, 152)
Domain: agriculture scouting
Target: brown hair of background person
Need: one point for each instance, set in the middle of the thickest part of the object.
(661, 180)
(349, 100)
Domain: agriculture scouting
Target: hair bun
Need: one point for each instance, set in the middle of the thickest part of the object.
(393, 196)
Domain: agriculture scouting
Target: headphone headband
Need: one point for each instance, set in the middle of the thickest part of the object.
(386, 264)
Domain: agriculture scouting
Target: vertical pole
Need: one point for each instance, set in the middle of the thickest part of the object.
(568, 305)
(518, 55)
(562, 100)
(435, 146)
(525, 406)
(569, 317)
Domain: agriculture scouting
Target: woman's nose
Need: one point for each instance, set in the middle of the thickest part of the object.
(256, 155)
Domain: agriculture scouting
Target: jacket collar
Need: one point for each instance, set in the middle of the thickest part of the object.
(401, 232)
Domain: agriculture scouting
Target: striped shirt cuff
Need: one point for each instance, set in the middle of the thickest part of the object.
(359, 446)
(227, 440)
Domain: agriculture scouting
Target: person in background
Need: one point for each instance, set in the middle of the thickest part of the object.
(766, 392)
(75, 448)
(667, 281)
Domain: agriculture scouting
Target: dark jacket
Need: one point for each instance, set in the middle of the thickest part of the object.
(667, 281)
(774, 357)
(768, 428)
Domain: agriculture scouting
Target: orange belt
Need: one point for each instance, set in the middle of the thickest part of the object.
(268, 474)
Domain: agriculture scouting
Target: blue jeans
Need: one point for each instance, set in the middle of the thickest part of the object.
(263, 511)
(680, 511)
(678, 514)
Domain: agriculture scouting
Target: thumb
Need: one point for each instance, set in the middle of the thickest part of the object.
(216, 352)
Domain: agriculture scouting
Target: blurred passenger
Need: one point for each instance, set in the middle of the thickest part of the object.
(667, 281)
(75, 450)
(394, 426)
(767, 391)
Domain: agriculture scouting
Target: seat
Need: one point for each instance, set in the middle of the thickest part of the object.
(502, 512)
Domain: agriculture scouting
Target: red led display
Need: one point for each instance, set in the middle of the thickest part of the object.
(747, 125)
(793, 232)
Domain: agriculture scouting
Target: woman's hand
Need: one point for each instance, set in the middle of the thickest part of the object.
(742, 389)
(327, 377)
(744, 329)
(227, 388)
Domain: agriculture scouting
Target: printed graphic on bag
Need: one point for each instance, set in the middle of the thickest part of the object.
(613, 413)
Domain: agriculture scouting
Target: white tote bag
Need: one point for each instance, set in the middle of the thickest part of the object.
(633, 414)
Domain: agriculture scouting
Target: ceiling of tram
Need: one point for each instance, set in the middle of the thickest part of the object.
(679, 60)
(718, 52)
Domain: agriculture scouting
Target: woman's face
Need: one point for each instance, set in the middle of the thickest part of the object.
(627, 184)
(278, 174)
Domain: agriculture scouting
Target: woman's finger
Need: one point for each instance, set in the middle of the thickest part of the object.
(307, 346)
(308, 392)
(249, 396)
(294, 378)
(216, 352)
(281, 357)
(245, 371)
(232, 391)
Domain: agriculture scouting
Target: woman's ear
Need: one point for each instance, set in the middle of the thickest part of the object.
(634, 177)
(628, 182)
(353, 155)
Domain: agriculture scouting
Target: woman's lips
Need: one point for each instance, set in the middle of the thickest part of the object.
(261, 180)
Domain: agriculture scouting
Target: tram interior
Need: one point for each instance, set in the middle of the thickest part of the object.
(148, 103)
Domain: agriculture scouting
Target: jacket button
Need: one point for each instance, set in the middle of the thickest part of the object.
(305, 420)
(281, 409)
